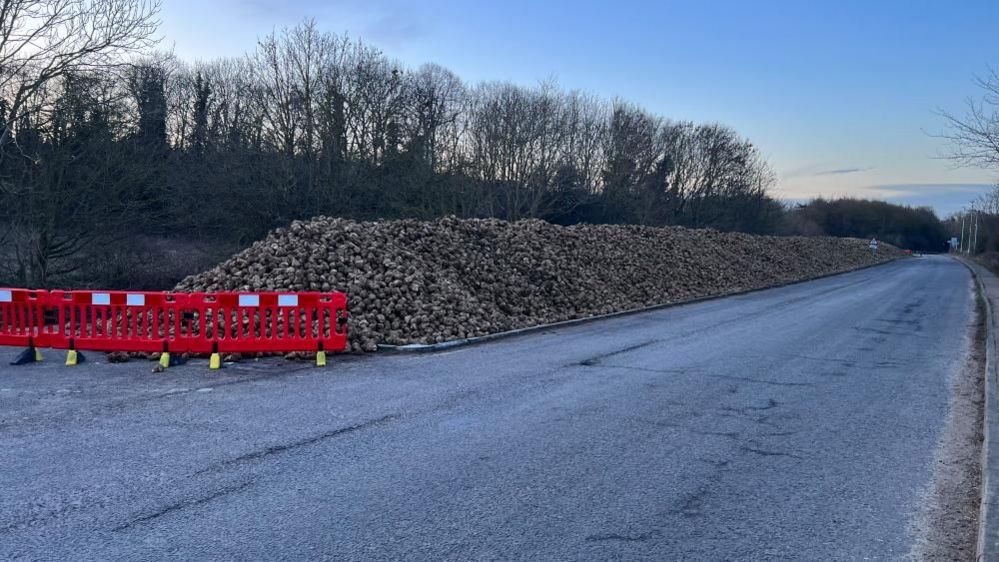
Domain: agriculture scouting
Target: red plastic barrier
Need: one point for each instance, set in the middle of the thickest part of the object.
(22, 320)
(252, 322)
(175, 322)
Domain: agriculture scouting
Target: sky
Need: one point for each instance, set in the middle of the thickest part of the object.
(841, 97)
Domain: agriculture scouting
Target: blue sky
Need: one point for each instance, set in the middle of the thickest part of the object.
(839, 95)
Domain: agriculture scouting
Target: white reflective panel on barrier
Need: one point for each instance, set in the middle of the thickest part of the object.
(100, 299)
(135, 300)
(5, 296)
(287, 300)
(249, 300)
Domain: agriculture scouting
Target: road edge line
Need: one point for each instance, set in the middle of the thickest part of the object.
(985, 550)
(468, 342)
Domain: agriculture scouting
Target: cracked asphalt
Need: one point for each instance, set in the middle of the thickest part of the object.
(797, 422)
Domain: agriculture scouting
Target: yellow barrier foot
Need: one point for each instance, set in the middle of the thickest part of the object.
(215, 362)
(320, 359)
(167, 360)
(74, 357)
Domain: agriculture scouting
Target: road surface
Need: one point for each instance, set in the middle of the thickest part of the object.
(797, 422)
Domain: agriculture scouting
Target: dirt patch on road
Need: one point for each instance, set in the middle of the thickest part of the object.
(947, 527)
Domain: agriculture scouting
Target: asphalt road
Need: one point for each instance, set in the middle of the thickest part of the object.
(792, 423)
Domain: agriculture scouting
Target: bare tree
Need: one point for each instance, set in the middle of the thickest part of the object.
(44, 40)
(86, 184)
(65, 120)
(987, 202)
(974, 137)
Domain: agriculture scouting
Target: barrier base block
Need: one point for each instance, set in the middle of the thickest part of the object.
(320, 359)
(29, 355)
(215, 362)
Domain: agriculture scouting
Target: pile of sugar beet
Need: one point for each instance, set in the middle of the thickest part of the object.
(412, 281)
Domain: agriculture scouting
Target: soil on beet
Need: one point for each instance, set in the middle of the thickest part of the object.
(412, 281)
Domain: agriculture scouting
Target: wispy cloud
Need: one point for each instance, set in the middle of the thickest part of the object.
(842, 171)
(379, 21)
(824, 170)
(930, 189)
(944, 198)
(395, 30)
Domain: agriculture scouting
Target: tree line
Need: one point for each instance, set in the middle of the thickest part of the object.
(105, 141)
(914, 228)
(128, 141)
